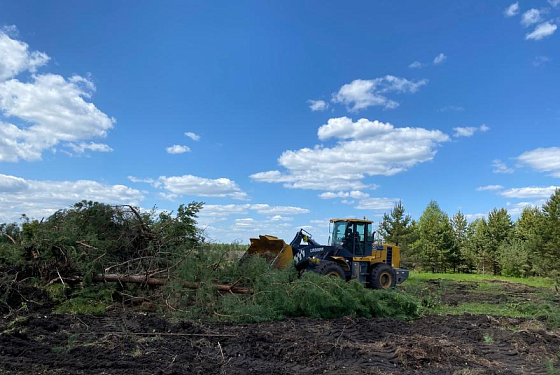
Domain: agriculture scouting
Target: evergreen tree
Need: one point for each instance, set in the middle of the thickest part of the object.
(476, 246)
(435, 238)
(396, 227)
(549, 260)
(528, 237)
(498, 230)
(514, 258)
(459, 224)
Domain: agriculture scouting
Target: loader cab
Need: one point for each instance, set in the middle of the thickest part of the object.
(354, 235)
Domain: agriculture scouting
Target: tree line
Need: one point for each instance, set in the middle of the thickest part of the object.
(437, 242)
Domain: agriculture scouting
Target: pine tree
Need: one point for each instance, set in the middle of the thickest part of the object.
(459, 224)
(549, 263)
(523, 250)
(475, 247)
(498, 231)
(395, 227)
(435, 238)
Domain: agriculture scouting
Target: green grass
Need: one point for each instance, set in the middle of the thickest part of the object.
(476, 308)
(538, 282)
(540, 302)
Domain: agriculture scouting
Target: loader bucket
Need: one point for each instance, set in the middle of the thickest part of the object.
(276, 252)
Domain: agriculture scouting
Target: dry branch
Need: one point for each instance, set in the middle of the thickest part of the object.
(10, 237)
(142, 279)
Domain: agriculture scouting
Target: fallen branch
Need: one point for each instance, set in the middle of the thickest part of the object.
(142, 279)
(10, 237)
(128, 261)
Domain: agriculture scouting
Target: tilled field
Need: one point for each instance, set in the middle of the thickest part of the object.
(140, 343)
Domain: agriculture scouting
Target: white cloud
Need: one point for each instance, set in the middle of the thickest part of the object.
(500, 167)
(464, 132)
(10, 30)
(323, 221)
(281, 218)
(469, 131)
(471, 217)
(374, 203)
(199, 186)
(39, 199)
(365, 148)
(266, 209)
(193, 136)
(512, 10)
(541, 31)
(543, 160)
(530, 192)
(440, 59)
(277, 221)
(489, 188)
(530, 17)
(416, 65)
(82, 147)
(278, 212)
(245, 223)
(554, 3)
(365, 201)
(540, 60)
(218, 210)
(312, 180)
(52, 108)
(15, 56)
(318, 105)
(56, 109)
(451, 108)
(361, 94)
(356, 194)
(177, 149)
(143, 180)
(518, 208)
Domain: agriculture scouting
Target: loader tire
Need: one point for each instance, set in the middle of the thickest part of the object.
(383, 277)
(330, 269)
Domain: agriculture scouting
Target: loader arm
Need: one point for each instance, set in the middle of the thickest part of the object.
(304, 236)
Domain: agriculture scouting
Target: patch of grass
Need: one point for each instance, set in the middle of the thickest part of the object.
(58, 292)
(539, 282)
(91, 300)
(550, 369)
(514, 310)
(490, 288)
(432, 289)
(64, 350)
(488, 339)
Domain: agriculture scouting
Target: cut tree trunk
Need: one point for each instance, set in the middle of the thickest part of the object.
(141, 279)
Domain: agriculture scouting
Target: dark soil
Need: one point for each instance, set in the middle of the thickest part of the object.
(127, 343)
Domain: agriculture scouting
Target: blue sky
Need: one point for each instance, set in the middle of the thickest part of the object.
(279, 115)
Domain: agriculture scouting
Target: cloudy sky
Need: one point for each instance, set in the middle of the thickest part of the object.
(279, 115)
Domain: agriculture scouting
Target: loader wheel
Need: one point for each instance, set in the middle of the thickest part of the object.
(383, 277)
(330, 269)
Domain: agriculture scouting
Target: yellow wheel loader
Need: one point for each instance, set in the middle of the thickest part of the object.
(351, 254)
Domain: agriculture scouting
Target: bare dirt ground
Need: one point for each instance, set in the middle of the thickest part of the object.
(141, 343)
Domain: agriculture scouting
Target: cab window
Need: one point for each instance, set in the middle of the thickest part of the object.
(360, 234)
(339, 230)
(370, 233)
